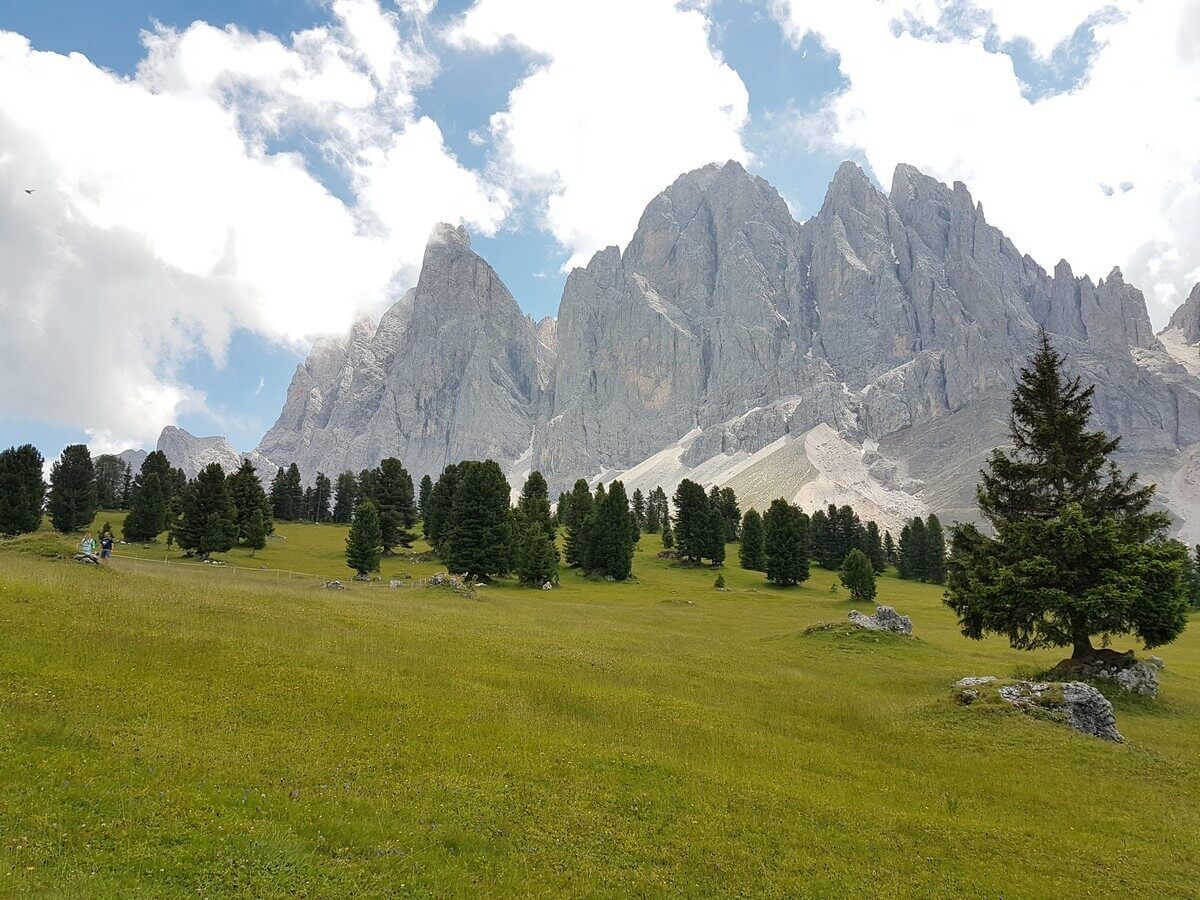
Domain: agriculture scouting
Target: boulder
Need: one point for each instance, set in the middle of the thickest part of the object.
(547, 586)
(885, 619)
(86, 559)
(334, 586)
(1073, 703)
(1124, 669)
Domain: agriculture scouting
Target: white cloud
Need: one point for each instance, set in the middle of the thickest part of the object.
(946, 104)
(625, 95)
(165, 214)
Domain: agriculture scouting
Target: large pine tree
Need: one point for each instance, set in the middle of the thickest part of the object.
(345, 496)
(249, 501)
(364, 542)
(692, 539)
(397, 504)
(478, 540)
(423, 494)
(610, 535)
(72, 504)
(22, 490)
(1077, 549)
(110, 477)
(576, 517)
(150, 503)
(441, 500)
(534, 503)
(752, 552)
(785, 534)
(208, 523)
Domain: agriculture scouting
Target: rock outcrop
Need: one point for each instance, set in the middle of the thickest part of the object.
(1122, 669)
(885, 619)
(1078, 705)
(865, 356)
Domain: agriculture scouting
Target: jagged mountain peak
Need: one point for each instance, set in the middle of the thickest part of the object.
(445, 233)
(1186, 319)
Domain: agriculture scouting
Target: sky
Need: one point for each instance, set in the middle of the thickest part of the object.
(217, 183)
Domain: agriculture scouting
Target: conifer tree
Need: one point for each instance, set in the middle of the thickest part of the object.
(819, 536)
(110, 476)
(732, 514)
(752, 551)
(785, 541)
(716, 529)
(858, 576)
(364, 542)
(151, 496)
(653, 516)
(397, 504)
(478, 538)
(254, 531)
(889, 548)
(668, 533)
(934, 552)
(22, 490)
(610, 535)
(691, 521)
(72, 501)
(913, 552)
(441, 499)
(295, 492)
(368, 487)
(535, 560)
(308, 505)
(639, 509)
(208, 523)
(534, 503)
(423, 494)
(578, 511)
(873, 547)
(345, 496)
(248, 496)
(1077, 552)
(322, 495)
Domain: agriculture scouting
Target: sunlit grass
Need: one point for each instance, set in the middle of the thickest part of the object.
(171, 730)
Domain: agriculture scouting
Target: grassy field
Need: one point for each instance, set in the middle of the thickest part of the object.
(171, 730)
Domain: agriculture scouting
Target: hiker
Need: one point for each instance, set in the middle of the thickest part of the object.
(106, 547)
(88, 546)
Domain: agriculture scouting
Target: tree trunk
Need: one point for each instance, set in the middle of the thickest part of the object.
(1083, 647)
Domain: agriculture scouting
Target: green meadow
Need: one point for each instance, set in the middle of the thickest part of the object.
(184, 730)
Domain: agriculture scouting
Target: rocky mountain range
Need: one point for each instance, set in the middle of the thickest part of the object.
(864, 356)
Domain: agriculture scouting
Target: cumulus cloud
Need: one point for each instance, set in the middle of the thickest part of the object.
(623, 97)
(951, 103)
(173, 207)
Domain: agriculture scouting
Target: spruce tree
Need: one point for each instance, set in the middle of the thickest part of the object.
(368, 487)
(279, 496)
(913, 553)
(295, 493)
(478, 537)
(110, 476)
(254, 531)
(820, 537)
(752, 553)
(785, 544)
(308, 505)
(535, 560)
(716, 529)
(345, 496)
(934, 552)
(72, 500)
(858, 576)
(423, 495)
(322, 495)
(208, 523)
(364, 542)
(249, 498)
(873, 547)
(534, 503)
(151, 497)
(579, 510)
(397, 504)
(441, 499)
(22, 490)
(610, 551)
(889, 548)
(668, 533)
(691, 521)
(639, 509)
(1077, 552)
(732, 514)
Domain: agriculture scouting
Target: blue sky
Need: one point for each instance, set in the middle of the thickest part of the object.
(791, 88)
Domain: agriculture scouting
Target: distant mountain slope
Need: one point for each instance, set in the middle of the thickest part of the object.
(864, 356)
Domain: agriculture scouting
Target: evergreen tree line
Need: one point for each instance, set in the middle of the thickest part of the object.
(602, 528)
(921, 555)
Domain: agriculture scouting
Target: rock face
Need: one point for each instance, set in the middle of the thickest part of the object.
(1186, 319)
(453, 371)
(191, 454)
(863, 357)
(885, 619)
(1073, 703)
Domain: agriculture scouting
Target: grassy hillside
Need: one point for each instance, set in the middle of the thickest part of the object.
(170, 730)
